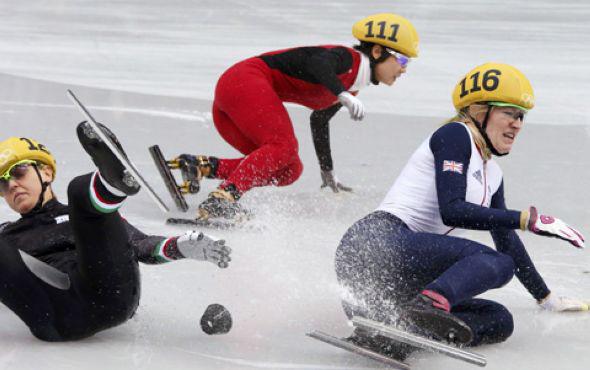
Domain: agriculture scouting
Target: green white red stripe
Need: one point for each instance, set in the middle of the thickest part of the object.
(100, 204)
(161, 250)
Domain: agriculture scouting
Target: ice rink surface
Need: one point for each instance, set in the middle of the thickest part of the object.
(148, 69)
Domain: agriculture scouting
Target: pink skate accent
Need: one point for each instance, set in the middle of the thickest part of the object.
(438, 300)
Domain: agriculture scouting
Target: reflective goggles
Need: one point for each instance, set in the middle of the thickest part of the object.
(17, 171)
(516, 114)
(401, 59)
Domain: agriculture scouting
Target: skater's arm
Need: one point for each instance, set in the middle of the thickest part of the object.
(146, 246)
(320, 133)
(508, 242)
(151, 249)
(451, 144)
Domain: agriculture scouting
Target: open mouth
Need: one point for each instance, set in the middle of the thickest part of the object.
(510, 135)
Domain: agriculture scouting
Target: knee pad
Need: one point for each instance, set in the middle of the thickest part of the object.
(502, 327)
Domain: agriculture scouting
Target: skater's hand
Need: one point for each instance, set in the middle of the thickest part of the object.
(554, 227)
(329, 179)
(551, 226)
(355, 107)
(199, 246)
(563, 304)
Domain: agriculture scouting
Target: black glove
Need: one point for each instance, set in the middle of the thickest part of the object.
(329, 179)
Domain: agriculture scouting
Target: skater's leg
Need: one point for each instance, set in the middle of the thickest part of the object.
(230, 132)
(289, 175)
(456, 268)
(277, 155)
(366, 267)
(489, 321)
(258, 113)
(380, 258)
(234, 137)
(474, 270)
(106, 262)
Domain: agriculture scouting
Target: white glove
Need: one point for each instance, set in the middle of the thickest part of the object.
(551, 226)
(563, 304)
(353, 104)
(329, 179)
(199, 246)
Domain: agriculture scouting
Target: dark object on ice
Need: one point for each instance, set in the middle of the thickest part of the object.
(216, 320)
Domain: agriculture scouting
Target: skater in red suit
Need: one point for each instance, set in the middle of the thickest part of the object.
(249, 114)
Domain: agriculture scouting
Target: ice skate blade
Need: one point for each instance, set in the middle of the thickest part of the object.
(343, 344)
(420, 342)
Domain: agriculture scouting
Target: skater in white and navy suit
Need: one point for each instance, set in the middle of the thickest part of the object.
(403, 260)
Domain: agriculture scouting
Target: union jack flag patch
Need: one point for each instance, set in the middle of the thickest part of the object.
(453, 166)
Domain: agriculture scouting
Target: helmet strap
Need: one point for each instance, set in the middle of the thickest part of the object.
(44, 185)
(374, 61)
(482, 130)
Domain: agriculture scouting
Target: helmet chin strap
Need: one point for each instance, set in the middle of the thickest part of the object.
(44, 185)
(482, 130)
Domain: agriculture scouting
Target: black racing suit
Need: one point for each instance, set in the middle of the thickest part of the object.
(99, 252)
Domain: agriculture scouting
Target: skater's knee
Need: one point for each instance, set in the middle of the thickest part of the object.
(47, 333)
(506, 324)
(285, 147)
(500, 326)
(78, 187)
(290, 174)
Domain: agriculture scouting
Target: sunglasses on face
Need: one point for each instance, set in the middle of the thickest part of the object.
(401, 59)
(516, 114)
(16, 172)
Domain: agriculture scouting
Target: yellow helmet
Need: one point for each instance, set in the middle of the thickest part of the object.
(389, 30)
(496, 84)
(15, 149)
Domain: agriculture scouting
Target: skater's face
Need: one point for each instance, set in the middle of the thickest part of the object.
(21, 191)
(391, 68)
(504, 125)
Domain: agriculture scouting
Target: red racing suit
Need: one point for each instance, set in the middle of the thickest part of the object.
(249, 114)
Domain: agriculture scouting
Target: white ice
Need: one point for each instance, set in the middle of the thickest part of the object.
(148, 70)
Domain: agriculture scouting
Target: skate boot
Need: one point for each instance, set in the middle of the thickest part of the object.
(108, 164)
(429, 314)
(380, 344)
(222, 203)
(193, 168)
